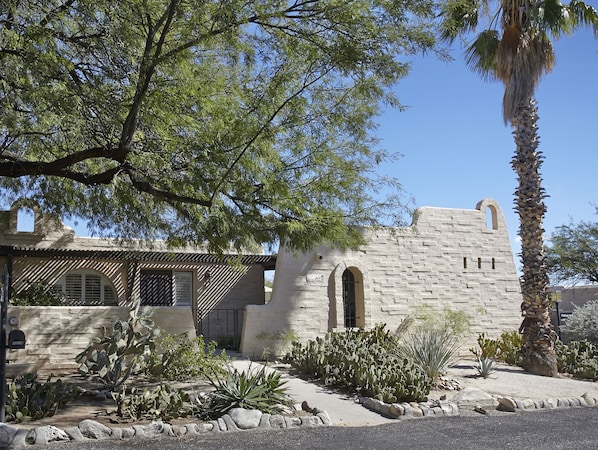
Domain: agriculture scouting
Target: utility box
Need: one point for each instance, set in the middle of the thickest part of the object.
(16, 340)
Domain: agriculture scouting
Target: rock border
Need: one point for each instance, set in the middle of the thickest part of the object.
(451, 408)
(238, 419)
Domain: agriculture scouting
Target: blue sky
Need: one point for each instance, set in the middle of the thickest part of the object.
(457, 149)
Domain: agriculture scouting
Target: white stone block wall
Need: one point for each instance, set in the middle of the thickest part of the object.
(449, 258)
(56, 334)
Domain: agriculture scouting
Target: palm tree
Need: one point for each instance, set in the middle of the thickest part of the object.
(515, 48)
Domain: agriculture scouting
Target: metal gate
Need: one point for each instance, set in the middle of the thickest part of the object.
(222, 326)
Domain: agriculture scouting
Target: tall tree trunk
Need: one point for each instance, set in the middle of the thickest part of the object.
(538, 335)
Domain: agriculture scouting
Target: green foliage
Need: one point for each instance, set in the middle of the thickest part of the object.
(510, 346)
(122, 351)
(162, 402)
(26, 397)
(485, 366)
(434, 350)
(38, 293)
(279, 343)
(175, 119)
(488, 348)
(507, 348)
(433, 339)
(455, 322)
(573, 255)
(578, 358)
(582, 324)
(261, 389)
(179, 358)
(365, 362)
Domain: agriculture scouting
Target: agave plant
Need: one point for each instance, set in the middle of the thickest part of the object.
(251, 389)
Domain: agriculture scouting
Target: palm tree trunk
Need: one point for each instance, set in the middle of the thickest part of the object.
(538, 335)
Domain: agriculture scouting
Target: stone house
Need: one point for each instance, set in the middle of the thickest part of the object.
(459, 259)
(188, 289)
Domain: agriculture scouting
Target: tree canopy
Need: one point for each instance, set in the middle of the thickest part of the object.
(573, 253)
(211, 121)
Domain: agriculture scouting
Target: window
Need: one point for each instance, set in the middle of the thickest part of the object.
(166, 288)
(183, 288)
(86, 288)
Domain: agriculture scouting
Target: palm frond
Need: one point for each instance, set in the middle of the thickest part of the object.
(552, 16)
(458, 17)
(480, 56)
(582, 14)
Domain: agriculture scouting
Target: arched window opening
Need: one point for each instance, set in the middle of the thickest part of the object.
(25, 220)
(349, 297)
(86, 288)
(491, 218)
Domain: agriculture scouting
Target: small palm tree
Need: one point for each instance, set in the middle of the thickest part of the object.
(515, 48)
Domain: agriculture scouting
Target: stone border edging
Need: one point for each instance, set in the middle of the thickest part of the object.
(449, 408)
(237, 419)
(412, 409)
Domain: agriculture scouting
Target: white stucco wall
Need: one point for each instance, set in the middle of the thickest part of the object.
(401, 269)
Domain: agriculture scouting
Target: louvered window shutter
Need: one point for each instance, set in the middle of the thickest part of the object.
(93, 289)
(74, 288)
(183, 288)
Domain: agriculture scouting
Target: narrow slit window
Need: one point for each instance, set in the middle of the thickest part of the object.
(465, 263)
(493, 264)
(479, 263)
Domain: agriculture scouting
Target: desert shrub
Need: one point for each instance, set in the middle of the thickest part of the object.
(180, 358)
(251, 389)
(433, 339)
(365, 362)
(434, 350)
(162, 402)
(40, 293)
(279, 343)
(26, 397)
(582, 324)
(578, 358)
(487, 348)
(122, 351)
(507, 348)
(510, 344)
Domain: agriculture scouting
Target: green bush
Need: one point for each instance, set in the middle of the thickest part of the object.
(507, 348)
(582, 324)
(122, 351)
(434, 350)
(578, 358)
(487, 348)
(510, 344)
(180, 358)
(365, 362)
(40, 293)
(163, 402)
(26, 397)
(262, 390)
(433, 339)
(279, 343)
